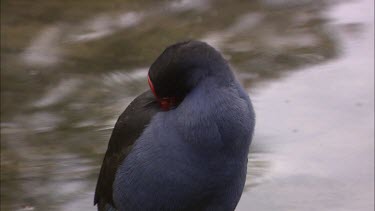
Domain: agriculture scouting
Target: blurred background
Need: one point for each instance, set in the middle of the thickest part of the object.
(69, 68)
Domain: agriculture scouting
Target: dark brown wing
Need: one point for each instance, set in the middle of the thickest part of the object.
(128, 128)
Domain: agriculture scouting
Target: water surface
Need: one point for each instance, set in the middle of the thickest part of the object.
(70, 68)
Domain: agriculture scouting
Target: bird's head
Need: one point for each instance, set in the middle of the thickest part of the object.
(180, 68)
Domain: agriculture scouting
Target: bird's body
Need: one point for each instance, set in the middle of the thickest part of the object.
(190, 157)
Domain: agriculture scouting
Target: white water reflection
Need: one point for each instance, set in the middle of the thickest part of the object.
(44, 50)
(58, 93)
(105, 25)
(320, 124)
(183, 5)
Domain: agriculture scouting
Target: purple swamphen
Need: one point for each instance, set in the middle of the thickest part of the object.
(182, 145)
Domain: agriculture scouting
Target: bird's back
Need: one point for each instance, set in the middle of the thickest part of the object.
(185, 148)
(191, 158)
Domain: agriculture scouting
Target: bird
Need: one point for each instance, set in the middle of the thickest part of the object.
(183, 144)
